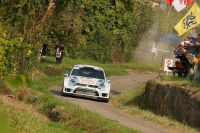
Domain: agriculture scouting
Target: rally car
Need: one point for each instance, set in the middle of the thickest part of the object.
(87, 81)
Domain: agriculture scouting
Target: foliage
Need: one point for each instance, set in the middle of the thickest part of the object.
(23, 23)
(97, 30)
(14, 55)
(13, 83)
(109, 31)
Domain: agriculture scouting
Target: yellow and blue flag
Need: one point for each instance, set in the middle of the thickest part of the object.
(189, 21)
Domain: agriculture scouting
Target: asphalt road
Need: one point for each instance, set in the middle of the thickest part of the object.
(119, 84)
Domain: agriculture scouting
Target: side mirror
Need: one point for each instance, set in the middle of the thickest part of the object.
(66, 74)
(108, 79)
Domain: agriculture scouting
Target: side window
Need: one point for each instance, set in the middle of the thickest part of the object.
(75, 72)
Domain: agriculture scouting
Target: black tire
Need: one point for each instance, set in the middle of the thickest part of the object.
(107, 100)
(104, 100)
(62, 94)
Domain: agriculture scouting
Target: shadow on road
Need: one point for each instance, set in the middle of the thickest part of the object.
(113, 92)
(55, 92)
(58, 93)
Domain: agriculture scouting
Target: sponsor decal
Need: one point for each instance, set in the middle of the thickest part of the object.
(87, 81)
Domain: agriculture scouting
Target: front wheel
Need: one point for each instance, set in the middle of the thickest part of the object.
(62, 94)
(104, 100)
(107, 100)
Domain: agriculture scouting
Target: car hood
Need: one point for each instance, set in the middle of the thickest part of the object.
(87, 80)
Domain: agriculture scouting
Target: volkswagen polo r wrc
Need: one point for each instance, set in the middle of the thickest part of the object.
(87, 81)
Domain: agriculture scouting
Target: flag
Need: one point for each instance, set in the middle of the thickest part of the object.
(189, 21)
(180, 4)
(169, 2)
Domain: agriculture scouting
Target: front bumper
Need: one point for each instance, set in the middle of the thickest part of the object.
(90, 92)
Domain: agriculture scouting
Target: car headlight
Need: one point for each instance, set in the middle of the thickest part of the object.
(73, 81)
(101, 85)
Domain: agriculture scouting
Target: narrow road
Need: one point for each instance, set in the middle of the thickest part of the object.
(119, 84)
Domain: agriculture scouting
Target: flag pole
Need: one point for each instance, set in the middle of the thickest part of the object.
(169, 11)
(161, 64)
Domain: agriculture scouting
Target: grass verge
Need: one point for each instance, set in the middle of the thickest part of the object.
(131, 102)
(35, 109)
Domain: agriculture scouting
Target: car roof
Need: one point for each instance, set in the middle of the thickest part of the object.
(90, 66)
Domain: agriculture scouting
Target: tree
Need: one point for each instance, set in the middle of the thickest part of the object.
(102, 30)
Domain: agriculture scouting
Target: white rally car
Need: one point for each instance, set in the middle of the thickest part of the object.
(87, 81)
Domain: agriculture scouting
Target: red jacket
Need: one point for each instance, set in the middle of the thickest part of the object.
(179, 66)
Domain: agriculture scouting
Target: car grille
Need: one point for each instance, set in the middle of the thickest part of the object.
(86, 85)
(86, 92)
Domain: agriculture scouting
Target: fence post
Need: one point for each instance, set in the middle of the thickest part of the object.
(161, 64)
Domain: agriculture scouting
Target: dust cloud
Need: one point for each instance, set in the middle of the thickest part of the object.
(153, 46)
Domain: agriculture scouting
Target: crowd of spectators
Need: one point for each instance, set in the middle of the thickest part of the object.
(187, 53)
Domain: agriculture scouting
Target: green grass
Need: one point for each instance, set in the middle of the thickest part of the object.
(66, 117)
(132, 102)
(63, 116)
(110, 68)
(20, 122)
(182, 82)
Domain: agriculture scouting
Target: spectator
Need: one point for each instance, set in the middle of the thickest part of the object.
(197, 67)
(188, 52)
(193, 41)
(193, 33)
(198, 37)
(179, 50)
(197, 45)
(179, 69)
(59, 50)
(184, 61)
(187, 39)
(154, 50)
(197, 42)
(43, 52)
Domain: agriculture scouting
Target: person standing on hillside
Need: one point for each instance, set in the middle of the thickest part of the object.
(59, 50)
(43, 52)
(193, 33)
(154, 50)
(197, 67)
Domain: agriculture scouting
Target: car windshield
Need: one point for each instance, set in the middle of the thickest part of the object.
(88, 72)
